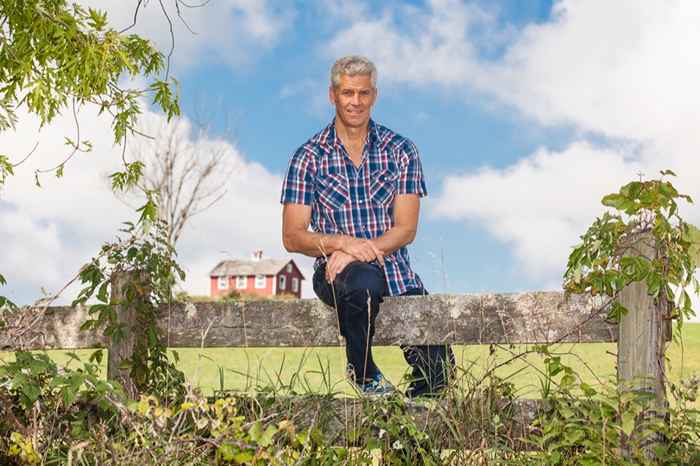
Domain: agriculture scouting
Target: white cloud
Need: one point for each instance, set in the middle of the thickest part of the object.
(538, 206)
(25, 244)
(624, 69)
(48, 233)
(225, 31)
(433, 47)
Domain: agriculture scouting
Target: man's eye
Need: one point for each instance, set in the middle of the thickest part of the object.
(364, 93)
(347, 93)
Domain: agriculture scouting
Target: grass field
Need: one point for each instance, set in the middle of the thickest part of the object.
(322, 369)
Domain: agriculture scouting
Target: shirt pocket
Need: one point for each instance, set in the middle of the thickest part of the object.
(332, 191)
(382, 188)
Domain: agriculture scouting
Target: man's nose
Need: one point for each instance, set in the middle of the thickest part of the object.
(355, 99)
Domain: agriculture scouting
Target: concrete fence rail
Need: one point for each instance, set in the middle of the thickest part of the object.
(539, 317)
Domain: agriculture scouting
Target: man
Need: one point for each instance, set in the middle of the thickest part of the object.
(358, 185)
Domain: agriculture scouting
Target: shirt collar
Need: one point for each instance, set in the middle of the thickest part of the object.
(330, 138)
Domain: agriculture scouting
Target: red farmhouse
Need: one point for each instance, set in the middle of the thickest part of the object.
(264, 277)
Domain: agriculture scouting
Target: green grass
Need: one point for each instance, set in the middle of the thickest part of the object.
(322, 369)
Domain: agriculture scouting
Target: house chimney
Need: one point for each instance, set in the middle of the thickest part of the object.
(257, 255)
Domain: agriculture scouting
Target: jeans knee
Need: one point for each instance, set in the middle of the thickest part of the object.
(361, 280)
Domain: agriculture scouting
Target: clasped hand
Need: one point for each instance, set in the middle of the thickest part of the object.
(353, 249)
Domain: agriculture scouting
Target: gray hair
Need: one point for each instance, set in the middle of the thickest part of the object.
(353, 65)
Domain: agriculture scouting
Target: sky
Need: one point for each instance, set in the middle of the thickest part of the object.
(525, 114)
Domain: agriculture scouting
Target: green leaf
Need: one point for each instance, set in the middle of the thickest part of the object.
(654, 284)
(97, 356)
(227, 452)
(668, 190)
(587, 389)
(631, 190)
(568, 380)
(616, 312)
(149, 212)
(6, 169)
(616, 201)
(256, 431)
(243, 457)
(31, 391)
(267, 436)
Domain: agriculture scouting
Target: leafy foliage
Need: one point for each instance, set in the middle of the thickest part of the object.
(603, 264)
(587, 425)
(5, 304)
(58, 416)
(56, 54)
(55, 51)
(6, 169)
(32, 384)
(145, 266)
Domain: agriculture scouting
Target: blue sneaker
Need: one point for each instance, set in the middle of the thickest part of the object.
(376, 386)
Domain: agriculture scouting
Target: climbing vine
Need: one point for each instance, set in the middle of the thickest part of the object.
(144, 263)
(603, 263)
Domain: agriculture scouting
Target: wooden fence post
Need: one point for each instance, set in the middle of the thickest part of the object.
(641, 344)
(121, 349)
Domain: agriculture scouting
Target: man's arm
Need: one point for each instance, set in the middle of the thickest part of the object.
(406, 211)
(296, 237)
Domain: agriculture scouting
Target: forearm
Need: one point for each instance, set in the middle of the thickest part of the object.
(313, 244)
(395, 238)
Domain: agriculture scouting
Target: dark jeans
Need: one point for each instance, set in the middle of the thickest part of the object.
(359, 288)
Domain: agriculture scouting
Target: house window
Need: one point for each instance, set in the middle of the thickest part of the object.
(295, 284)
(289, 268)
(283, 282)
(223, 283)
(260, 281)
(241, 282)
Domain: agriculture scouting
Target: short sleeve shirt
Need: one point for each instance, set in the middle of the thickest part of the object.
(357, 201)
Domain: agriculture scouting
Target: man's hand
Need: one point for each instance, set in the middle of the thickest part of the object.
(362, 249)
(337, 263)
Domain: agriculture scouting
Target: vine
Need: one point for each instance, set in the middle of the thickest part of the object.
(602, 264)
(147, 260)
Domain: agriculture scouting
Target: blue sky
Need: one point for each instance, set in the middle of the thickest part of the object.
(525, 113)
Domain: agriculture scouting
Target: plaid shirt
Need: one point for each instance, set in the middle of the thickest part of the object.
(357, 201)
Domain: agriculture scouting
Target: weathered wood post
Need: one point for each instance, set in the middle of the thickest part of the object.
(126, 294)
(641, 344)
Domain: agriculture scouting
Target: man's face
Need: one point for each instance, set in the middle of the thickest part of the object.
(353, 99)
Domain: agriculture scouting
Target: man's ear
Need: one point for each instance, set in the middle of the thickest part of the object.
(331, 94)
